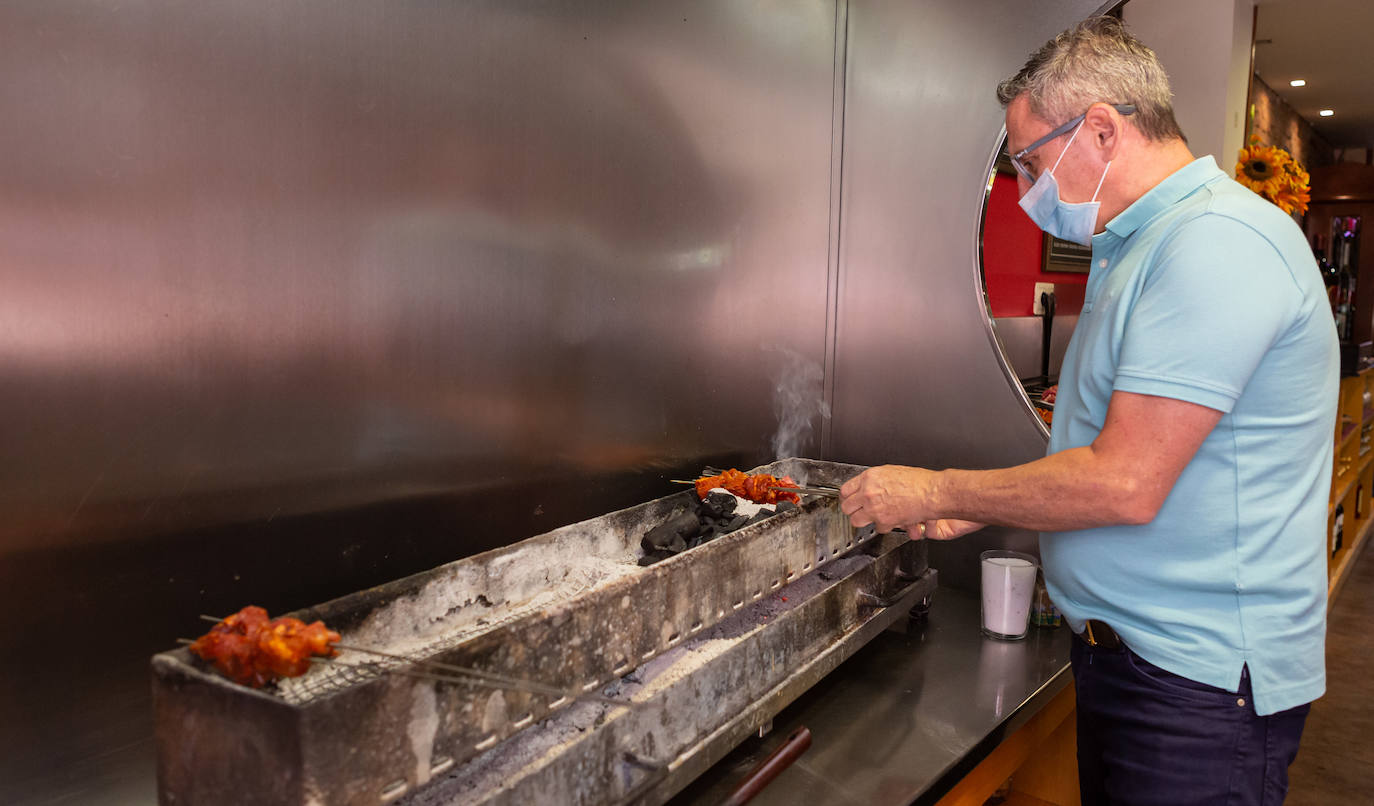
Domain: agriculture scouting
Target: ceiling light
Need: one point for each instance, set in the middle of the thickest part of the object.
(1297, 82)
(1326, 113)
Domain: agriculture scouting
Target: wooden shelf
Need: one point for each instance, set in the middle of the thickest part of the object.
(1346, 558)
(1340, 485)
(1352, 416)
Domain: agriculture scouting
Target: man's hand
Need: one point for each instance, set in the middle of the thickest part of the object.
(888, 496)
(946, 528)
(892, 496)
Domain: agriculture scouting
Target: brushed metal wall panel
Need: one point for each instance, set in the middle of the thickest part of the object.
(355, 250)
(918, 379)
(300, 297)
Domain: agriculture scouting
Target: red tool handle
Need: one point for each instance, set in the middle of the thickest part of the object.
(768, 769)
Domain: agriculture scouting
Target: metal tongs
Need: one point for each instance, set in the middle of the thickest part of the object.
(830, 492)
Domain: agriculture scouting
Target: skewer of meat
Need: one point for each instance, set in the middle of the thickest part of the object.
(760, 488)
(253, 650)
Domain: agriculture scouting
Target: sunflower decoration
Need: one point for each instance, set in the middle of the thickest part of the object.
(1273, 174)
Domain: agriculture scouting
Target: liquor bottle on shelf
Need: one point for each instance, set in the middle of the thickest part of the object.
(1331, 278)
(1359, 500)
(1342, 255)
(1338, 529)
(1345, 305)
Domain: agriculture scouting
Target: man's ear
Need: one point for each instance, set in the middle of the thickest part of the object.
(1104, 127)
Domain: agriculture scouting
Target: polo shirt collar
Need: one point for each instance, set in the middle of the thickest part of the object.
(1176, 186)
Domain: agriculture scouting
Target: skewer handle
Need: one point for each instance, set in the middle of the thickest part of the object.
(762, 775)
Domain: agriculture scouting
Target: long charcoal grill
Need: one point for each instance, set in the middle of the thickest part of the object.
(707, 645)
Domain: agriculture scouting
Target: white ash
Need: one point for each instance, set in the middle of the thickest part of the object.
(503, 765)
(541, 743)
(456, 607)
(423, 727)
(683, 660)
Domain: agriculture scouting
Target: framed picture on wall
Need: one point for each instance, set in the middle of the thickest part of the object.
(1066, 256)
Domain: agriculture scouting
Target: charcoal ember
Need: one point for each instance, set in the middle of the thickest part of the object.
(736, 522)
(672, 534)
(717, 505)
(762, 514)
(784, 506)
(655, 556)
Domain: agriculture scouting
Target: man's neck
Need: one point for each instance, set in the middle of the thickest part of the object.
(1139, 172)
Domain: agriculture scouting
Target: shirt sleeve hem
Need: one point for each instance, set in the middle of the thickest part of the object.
(1189, 392)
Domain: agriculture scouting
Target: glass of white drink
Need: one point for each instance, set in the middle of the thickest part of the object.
(1008, 582)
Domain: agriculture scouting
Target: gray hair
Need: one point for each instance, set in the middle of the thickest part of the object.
(1096, 61)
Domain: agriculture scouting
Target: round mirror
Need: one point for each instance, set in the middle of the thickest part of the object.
(1033, 286)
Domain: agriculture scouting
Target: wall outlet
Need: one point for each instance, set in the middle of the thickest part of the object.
(1041, 288)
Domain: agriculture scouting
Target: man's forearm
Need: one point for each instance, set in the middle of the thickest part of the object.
(1123, 477)
(1073, 489)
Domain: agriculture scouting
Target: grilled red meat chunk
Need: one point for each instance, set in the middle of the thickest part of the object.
(253, 650)
(754, 487)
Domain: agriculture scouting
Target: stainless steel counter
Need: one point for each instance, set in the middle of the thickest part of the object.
(908, 716)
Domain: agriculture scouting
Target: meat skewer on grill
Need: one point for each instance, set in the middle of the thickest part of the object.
(252, 650)
(727, 501)
(760, 488)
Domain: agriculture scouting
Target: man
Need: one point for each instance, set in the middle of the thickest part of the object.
(1183, 498)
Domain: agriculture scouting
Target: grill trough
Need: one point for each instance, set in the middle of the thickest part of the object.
(703, 648)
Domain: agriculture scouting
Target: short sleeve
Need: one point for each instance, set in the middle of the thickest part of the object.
(1215, 299)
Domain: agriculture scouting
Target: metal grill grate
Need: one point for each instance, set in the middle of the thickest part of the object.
(353, 668)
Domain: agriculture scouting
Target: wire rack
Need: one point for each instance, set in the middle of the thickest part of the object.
(329, 677)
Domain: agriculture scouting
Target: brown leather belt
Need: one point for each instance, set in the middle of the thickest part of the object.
(1098, 634)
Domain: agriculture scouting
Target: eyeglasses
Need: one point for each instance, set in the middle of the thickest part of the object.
(1018, 157)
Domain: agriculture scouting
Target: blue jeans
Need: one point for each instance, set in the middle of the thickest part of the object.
(1147, 737)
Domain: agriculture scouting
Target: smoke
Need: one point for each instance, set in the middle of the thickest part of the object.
(798, 398)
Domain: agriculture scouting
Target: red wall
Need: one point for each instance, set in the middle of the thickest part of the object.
(1012, 247)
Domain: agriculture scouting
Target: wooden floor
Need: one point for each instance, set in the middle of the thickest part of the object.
(1335, 762)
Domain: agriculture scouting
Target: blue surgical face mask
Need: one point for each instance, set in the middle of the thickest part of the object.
(1070, 222)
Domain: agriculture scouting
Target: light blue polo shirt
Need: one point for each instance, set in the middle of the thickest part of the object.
(1203, 291)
